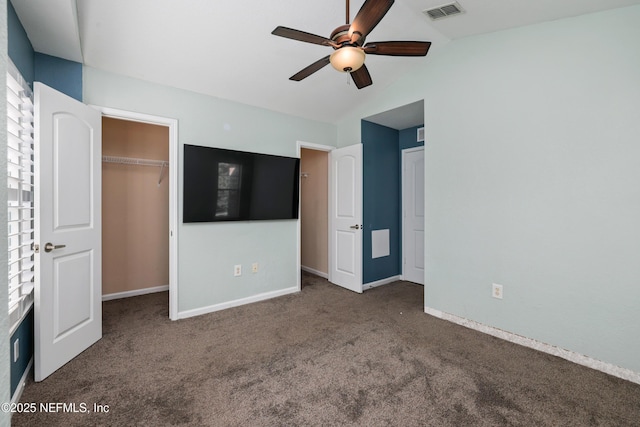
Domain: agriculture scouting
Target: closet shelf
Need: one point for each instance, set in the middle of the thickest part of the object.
(133, 161)
(138, 162)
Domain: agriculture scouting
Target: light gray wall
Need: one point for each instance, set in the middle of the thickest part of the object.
(207, 252)
(5, 370)
(532, 172)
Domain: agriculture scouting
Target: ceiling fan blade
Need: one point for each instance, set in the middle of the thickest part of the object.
(397, 48)
(371, 12)
(302, 36)
(361, 77)
(306, 72)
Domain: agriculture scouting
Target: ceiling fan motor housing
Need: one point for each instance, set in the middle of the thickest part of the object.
(341, 36)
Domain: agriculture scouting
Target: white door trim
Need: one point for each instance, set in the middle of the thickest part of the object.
(319, 147)
(402, 186)
(172, 124)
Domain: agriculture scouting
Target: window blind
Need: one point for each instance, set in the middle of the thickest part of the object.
(20, 194)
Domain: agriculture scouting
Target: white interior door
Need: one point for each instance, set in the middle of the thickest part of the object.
(67, 174)
(413, 215)
(345, 217)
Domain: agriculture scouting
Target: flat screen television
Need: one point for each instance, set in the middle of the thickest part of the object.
(229, 185)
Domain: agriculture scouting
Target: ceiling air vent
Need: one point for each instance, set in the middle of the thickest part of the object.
(444, 11)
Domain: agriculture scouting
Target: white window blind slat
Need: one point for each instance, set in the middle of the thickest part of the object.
(14, 142)
(26, 125)
(14, 241)
(12, 97)
(14, 224)
(13, 84)
(13, 112)
(15, 150)
(14, 268)
(14, 156)
(14, 299)
(14, 128)
(13, 171)
(26, 276)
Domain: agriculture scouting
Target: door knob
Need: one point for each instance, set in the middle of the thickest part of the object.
(50, 246)
(355, 227)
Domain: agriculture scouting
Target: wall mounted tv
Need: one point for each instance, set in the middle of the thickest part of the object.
(229, 185)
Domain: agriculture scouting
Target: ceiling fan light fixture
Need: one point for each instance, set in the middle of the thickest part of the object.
(347, 59)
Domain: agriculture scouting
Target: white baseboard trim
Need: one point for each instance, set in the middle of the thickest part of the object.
(380, 282)
(134, 293)
(18, 393)
(236, 303)
(313, 271)
(580, 359)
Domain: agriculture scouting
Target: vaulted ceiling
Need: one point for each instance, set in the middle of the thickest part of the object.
(225, 48)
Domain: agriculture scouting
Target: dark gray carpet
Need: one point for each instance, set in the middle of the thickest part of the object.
(325, 356)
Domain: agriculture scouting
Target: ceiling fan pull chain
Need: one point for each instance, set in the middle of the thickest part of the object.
(348, 78)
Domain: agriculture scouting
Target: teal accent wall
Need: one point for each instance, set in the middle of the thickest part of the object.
(408, 138)
(380, 199)
(62, 75)
(19, 46)
(382, 195)
(24, 333)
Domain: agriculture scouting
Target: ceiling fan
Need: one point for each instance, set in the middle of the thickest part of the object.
(348, 42)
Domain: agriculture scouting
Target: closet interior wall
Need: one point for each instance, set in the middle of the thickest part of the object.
(135, 208)
(314, 211)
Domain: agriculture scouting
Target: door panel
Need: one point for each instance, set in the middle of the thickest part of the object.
(67, 190)
(345, 207)
(346, 182)
(413, 215)
(70, 274)
(71, 171)
(346, 262)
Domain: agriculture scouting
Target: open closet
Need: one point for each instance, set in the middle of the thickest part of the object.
(135, 208)
(314, 181)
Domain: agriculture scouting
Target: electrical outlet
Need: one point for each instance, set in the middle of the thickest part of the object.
(496, 291)
(254, 267)
(16, 350)
(237, 270)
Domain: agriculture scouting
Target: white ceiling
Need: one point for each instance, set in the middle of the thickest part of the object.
(403, 117)
(224, 48)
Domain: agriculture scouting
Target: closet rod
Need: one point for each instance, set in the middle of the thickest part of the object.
(138, 162)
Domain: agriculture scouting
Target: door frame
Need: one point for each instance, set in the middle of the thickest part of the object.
(403, 204)
(318, 147)
(172, 125)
